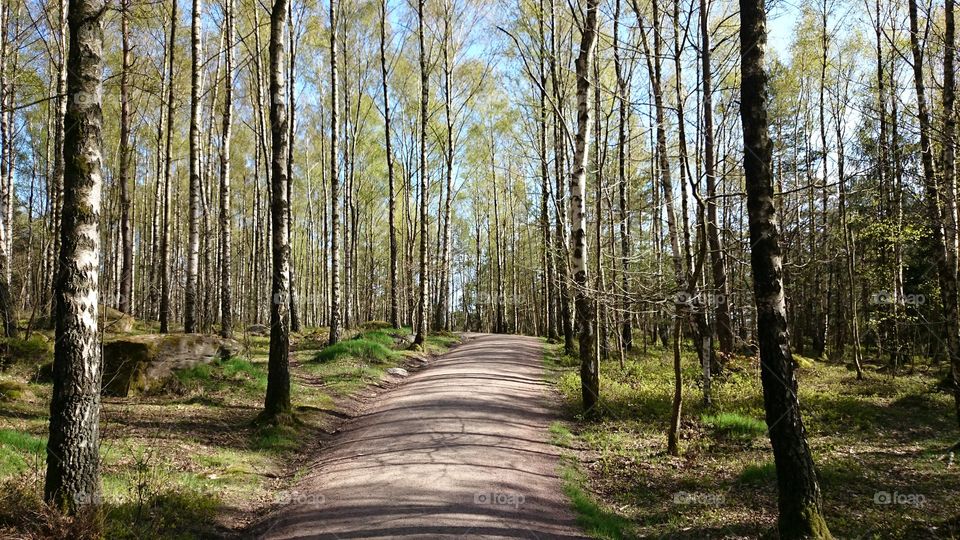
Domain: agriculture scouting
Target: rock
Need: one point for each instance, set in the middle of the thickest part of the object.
(115, 321)
(258, 330)
(112, 321)
(397, 372)
(136, 364)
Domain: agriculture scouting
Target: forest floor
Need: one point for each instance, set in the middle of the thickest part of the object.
(190, 461)
(878, 445)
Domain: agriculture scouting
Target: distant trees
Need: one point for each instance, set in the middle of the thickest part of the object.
(73, 448)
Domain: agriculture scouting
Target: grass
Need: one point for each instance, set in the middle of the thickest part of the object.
(596, 520)
(880, 434)
(357, 348)
(185, 462)
(734, 424)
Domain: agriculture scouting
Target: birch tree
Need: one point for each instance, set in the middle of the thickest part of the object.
(73, 447)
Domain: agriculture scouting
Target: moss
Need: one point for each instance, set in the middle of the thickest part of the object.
(32, 350)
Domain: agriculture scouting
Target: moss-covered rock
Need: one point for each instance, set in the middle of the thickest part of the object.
(137, 364)
(33, 350)
(112, 321)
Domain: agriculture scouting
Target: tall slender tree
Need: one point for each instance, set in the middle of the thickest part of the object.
(226, 290)
(167, 174)
(277, 401)
(193, 218)
(801, 513)
(421, 317)
(126, 228)
(589, 364)
(391, 187)
(73, 448)
(334, 184)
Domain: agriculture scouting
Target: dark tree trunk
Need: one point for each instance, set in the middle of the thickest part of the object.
(165, 225)
(421, 317)
(392, 197)
(723, 326)
(73, 449)
(126, 229)
(277, 401)
(801, 514)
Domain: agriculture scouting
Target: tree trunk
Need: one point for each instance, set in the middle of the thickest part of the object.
(193, 218)
(718, 269)
(126, 229)
(165, 233)
(7, 309)
(392, 197)
(626, 332)
(291, 137)
(277, 401)
(226, 290)
(950, 192)
(589, 368)
(801, 514)
(549, 320)
(421, 318)
(73, 448)
(334, 185)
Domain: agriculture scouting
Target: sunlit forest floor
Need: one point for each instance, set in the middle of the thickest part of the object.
(189, 460)
(877, 443)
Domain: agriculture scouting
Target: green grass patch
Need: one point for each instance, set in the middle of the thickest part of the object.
(596, 520)
(735, 424)
(360, 347)
(276, 438)
(19, 451)
(169, 515)
(758, 474)
(36, 348)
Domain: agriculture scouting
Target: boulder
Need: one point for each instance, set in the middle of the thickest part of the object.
(112, 321)
(137, 364)
(258, 330)
(397, 372)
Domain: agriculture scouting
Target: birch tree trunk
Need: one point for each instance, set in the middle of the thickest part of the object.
(334, 186)
(392, 196)
(950, 191)
(421, 317)
(800, 506)
(226, 290)
(73, 448)
(126, 229)
(167, 163)
(7, 309)
(277, 401)
(589, 368)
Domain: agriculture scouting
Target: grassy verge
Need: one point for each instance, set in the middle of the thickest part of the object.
(188, 462)
(872, 440)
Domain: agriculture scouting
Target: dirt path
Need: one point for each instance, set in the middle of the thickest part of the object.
(460, 450)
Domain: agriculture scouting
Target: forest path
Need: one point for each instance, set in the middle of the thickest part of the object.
(459, 450)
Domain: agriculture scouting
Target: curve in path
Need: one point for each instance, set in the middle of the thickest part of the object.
(460, 450)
